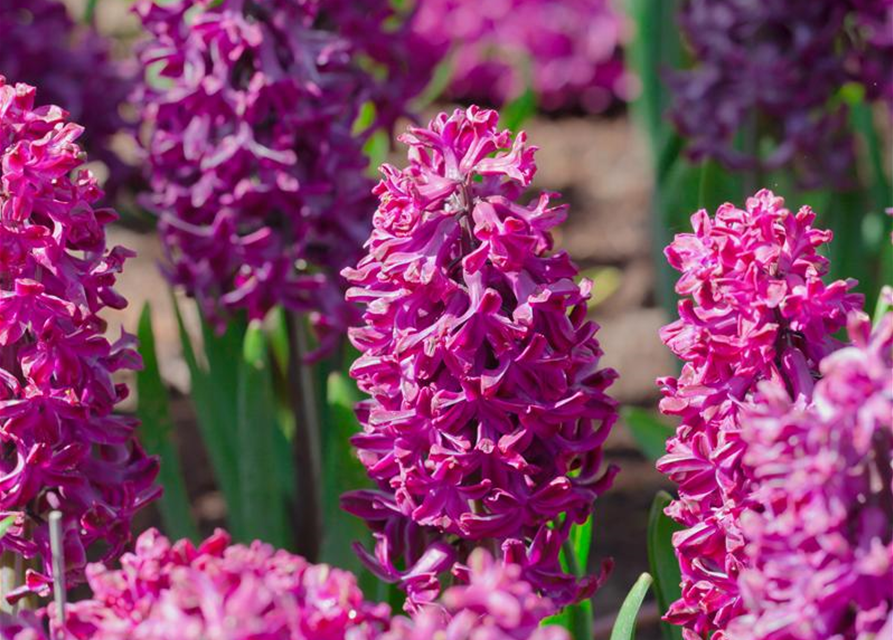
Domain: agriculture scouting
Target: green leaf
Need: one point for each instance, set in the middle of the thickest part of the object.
(654, 48)
(90, 11)
(574, 558)
(155, 432)
(6, 523)
(440, 80)
(625, 625)
(581, 541)
(519, 110)
(880, 310)
(662, 559)
(341, 471)
(214, 398)
(264, 506)
(650, 432)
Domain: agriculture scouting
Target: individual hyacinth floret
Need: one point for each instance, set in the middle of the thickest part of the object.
(764, 91)
(170, 590)
(754, 308)
(256, 171)
(64, 449)
(567, 51)
(488, 408)
(44, 47)
(819, 534)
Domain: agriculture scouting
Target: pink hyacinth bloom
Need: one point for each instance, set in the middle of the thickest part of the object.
(567, 51)
(819, 530)
(754, 308)
(64, 449)
(170, 590)
(488, 408)
(167, 590)
(493, 604)
(21, 627)
(257, 174)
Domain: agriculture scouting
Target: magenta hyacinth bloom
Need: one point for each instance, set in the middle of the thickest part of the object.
(21, 627)
(42, 46)
(754, 308)
(494, 603)
(488, 408)
(176, 590)
(63, 447)
(819, 530)
(256, 173)
(568, 50)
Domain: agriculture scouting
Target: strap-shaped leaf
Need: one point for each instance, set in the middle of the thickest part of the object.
(662, 559)
(155, 433)
(625, 625)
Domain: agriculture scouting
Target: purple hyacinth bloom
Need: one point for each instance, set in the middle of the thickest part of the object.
(776, 67)
(42, 46)
(873, 58)
(168, 590)
(64, 449)
(818, 531)
(754, 308)
(256, 172)
(494, 603)
(488, 408)
(567, 50)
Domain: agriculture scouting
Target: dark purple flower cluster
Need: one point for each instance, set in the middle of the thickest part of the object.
(63, 449)
(873, 59)
(772, 70)
(819, 534)
(488, 407)
(567, 50)
(753, 308)
(42, 46)
(256, 171)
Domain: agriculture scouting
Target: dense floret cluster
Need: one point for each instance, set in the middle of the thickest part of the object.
(773, 70)
(170, 590)
(754, 308)
(488, 407)
(42, 46)
(819, 534)
(62, 446)
(257, 173)
(567, 51)
(493, 604)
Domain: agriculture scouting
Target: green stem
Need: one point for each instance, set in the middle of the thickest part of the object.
(307, 447)
(580, 615)
(90, 11)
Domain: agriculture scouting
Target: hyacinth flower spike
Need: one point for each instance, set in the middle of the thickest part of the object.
(754, 309)
(64, 448)
(488, 407)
